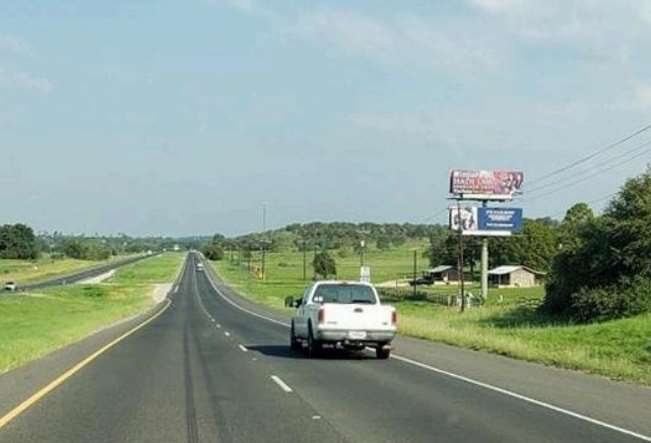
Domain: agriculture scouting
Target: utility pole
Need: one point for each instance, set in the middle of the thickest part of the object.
(484, 263)
(264, 217)
(415, 270)
(264, 273)
(264, 241)
(362, 245)
(314, 259)
(461, 279)
(304, 260)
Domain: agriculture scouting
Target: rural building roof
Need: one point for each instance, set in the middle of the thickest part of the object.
(508, 269)
(441, 268)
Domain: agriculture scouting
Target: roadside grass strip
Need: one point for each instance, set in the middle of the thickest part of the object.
(35, 324)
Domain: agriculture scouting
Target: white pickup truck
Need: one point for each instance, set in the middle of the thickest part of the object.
(343, 314)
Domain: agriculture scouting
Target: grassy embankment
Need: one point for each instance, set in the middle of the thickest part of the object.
(28, 271)
(618, 349)
(32, 325)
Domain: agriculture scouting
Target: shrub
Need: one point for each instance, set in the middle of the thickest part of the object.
(629, 297)
(213, 252)
(324, 264)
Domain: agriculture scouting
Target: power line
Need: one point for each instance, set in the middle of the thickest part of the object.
(587, 171)
(589, 202)
(433, 217)
(593, 155)
(560, 188)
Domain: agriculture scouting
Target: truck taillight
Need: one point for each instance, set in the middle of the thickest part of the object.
(394, 318)
(321, 316)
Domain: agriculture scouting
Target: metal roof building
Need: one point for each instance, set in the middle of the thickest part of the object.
(515, 276)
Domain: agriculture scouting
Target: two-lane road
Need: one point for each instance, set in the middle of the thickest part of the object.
(206, 370)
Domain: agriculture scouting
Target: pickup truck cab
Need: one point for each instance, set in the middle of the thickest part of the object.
(342, 314)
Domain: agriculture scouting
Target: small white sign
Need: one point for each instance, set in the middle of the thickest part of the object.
(365, 274)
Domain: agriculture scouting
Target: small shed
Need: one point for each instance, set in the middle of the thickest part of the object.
(443, 274)
(515, 276)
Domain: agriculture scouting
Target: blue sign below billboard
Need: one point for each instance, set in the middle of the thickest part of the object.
(499, 219)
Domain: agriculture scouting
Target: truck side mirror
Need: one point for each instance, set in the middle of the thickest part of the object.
(298, 303)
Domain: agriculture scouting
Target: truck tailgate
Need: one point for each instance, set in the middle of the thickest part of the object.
(357, 317)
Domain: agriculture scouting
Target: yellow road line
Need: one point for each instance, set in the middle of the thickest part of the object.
(72, 371)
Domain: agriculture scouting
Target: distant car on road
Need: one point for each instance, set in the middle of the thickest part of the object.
(199, 267)
(342, 314)
(11, 286)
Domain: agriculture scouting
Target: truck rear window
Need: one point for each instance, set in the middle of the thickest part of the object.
(346, 294)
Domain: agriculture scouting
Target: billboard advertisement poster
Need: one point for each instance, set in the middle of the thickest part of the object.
(485, 185)
(487, 222)
(463, 219)
(499, 219)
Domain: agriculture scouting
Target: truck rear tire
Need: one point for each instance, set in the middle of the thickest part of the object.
(313, 346)
(382, 353)
(294, 344)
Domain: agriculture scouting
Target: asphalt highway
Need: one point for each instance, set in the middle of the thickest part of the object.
(82, 275)
(206, 370)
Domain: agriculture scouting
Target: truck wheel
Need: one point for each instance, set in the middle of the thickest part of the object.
(382, 353)
(294, 344)
(313, 346)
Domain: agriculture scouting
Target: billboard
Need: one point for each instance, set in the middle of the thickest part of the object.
(485, 185)
(488, 222)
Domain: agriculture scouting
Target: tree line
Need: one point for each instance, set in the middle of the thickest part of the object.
(19, 241)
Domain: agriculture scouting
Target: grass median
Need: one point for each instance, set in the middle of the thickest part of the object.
(31, 271)
(35, 324)
(508, 324)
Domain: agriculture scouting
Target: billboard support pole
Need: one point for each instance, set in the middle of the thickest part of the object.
(460, 270)
(484, 264)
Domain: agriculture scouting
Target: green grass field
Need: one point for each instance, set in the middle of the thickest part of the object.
(26, 271)
(507, 324)
(32, 325)
(159, 269)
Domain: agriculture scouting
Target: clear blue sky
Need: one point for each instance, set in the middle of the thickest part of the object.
(184, 117)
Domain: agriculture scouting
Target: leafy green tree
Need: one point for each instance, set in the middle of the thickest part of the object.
(575, 217)
(535, 247)
(443, 248)
(595, 277)
(383, 243)
(214, 252)
(18, 242)
(74, 249)
(399, 239)
(324, 265)
(218, 239)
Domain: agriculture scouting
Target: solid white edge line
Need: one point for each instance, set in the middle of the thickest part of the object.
(278, 322)
(243, 348)
(281, 383)
(471, 381)
(523, 398)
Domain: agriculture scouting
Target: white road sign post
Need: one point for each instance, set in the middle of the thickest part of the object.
(365, 274)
